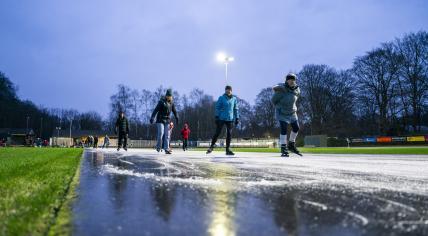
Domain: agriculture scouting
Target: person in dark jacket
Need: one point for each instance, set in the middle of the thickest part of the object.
(122, 128)
(226, 113)
(162, 113)
(95, 141)
(284, 99)
(185, 132)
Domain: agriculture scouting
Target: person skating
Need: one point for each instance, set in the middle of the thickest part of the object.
(162, 114)
(185, 132)
(122, 128)
(226, 114)
(95, 141)
(284, 99)
(106, 142)
(168, 135)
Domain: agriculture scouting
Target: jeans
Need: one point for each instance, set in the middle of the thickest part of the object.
(163, 136)
(294, 127)
(220, 124)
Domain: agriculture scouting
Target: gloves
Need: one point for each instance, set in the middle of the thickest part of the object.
(236, 121)
(152, 120)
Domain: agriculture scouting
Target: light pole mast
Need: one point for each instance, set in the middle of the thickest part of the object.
(224, 58)
(225, 65)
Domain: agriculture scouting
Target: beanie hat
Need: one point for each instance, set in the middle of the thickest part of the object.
(168, 92)
(291, 76)
(228, 87)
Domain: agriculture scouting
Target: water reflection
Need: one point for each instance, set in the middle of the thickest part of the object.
(223, 203)
(117, 191)
(164, 199)
(285, 211)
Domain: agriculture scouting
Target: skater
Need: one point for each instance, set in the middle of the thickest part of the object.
(89, 141)
(95, 141)
(162, 113)
(122, 128)
(185, 132)
(168, 135)
(226, 114)
(106, 142)
(284, 100)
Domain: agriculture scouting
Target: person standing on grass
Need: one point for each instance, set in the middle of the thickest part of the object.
(284, 99)
(162, 113)
(122, 128)
(185, 132)
(226, 114)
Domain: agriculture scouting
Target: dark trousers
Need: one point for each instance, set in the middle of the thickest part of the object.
(123, 136)
(185, 144)
(220, 124)
(294, 127)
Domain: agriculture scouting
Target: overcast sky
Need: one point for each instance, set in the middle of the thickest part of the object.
(73, 54)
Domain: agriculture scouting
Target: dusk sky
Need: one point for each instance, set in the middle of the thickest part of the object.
(73, 54)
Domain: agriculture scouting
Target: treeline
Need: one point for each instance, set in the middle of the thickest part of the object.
(384, 93)
(23, 114)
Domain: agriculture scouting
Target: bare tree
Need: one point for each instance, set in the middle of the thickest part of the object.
(413, 82)
(377, 73)
(316, 82)
(121, 101)
(246, 116)
(264, 117)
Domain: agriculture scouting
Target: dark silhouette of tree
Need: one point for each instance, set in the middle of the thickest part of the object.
(377, 74)
(264, 114)
(413, 81)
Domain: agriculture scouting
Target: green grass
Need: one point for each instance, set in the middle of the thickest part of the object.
(421, 150)
(34, 184)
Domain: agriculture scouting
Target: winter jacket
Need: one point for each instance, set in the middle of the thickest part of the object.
(284, 100)
(226, 108)
(163, 111)
(122, 125)
(185, 133)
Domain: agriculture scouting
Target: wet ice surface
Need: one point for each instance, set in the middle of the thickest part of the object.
(141, 192)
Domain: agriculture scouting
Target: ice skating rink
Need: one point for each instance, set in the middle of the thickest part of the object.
(142, 192)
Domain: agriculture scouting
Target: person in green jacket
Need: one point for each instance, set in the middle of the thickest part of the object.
(284, 99)
(122, 128)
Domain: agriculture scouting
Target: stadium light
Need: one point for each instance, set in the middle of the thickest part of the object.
(225, 59)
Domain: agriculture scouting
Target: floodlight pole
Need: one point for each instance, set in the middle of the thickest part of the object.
(225, 64)
(224, 58)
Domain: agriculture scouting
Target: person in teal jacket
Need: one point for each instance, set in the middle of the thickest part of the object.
(284, 99)
(226, 114)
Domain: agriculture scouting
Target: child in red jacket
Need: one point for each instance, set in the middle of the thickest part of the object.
(185, 132)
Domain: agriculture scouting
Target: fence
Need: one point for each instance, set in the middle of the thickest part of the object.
(420, 139)
(316, 141)
(61, 142)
